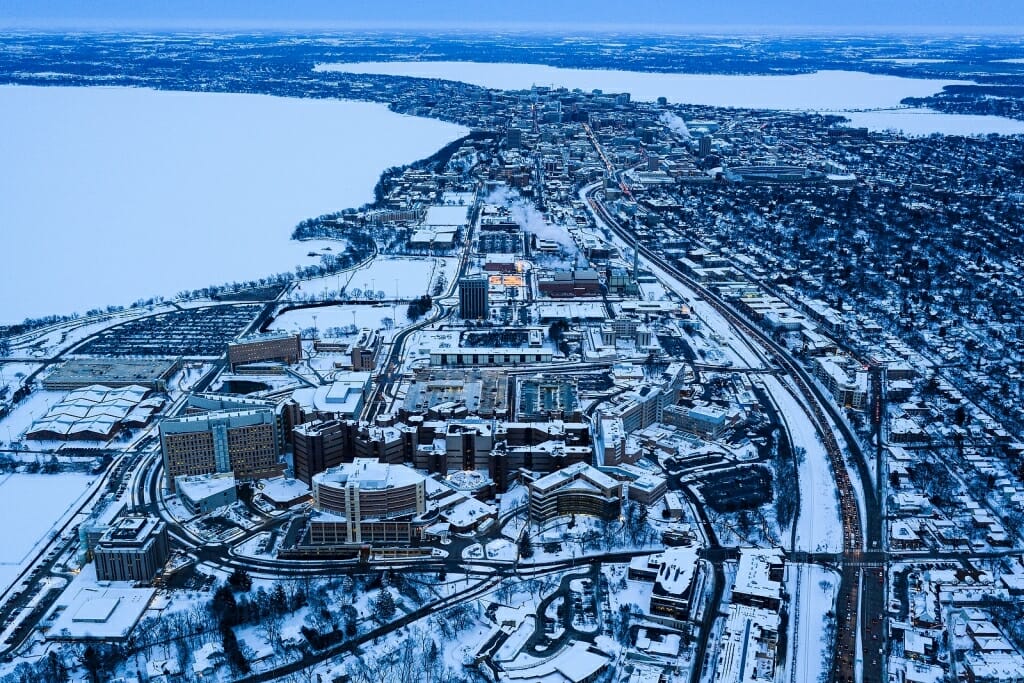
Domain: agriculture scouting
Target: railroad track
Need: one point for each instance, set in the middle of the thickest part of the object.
(844, 661)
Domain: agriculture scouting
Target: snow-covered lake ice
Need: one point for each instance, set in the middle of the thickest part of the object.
(109, 195)
(824, 91)
(917, 122)
(819, 90)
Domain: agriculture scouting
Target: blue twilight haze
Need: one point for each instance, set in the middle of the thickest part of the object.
(947, 15)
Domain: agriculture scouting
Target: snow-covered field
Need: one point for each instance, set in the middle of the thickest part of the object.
(818, 526)
(12, 375)
(25, 412)
(405, 276)
(918, 122)
(818, 90)
(808, 645)
(327, 317)
(37, 502)
(115, 194)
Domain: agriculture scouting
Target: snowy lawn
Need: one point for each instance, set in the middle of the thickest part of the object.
(501, 549)
(31, 505)
(331, 318)
(385, 277)
(32, 408)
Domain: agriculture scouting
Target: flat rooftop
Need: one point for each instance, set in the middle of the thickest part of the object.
(92, 610)
(450, 215)
(81, 372)
(370, 474)
(264, 336)
(203, 486)
(281, 490)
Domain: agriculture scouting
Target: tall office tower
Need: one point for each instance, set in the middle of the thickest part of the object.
(473, 298)
(705, 146)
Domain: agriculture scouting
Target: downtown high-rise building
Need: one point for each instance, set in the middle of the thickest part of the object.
(473, 298)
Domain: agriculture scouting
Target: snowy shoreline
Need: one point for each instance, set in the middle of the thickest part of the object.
(870, 100)
(128, 193)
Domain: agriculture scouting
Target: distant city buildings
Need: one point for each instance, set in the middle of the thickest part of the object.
(749, 647)
(364, 351)
(845, 379)
(323, 444)
(645, 404)
(706, 421)
(573, 283)
(582, 377)
(674, 575)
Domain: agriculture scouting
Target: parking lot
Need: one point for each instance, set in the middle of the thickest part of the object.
(737, 489)
(191, 332)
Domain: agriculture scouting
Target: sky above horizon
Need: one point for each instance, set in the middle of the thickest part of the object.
(668, 15)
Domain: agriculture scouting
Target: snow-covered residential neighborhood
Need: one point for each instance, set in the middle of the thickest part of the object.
(373, 358)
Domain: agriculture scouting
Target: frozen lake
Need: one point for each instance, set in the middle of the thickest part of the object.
(917, 122)
(109, 195)
(838, 90)
(825, 91)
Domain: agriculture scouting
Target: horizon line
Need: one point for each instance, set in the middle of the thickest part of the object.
(561, 28)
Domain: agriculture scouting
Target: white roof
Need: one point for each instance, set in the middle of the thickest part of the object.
(94, 409)
(451, 215)
(752, 573)
(571, 472)
(467, 512)
(369, 473)
(282, 489)
(90, 610)
(97, 610)
(677, 567)
(574, 664)
(202, 486)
